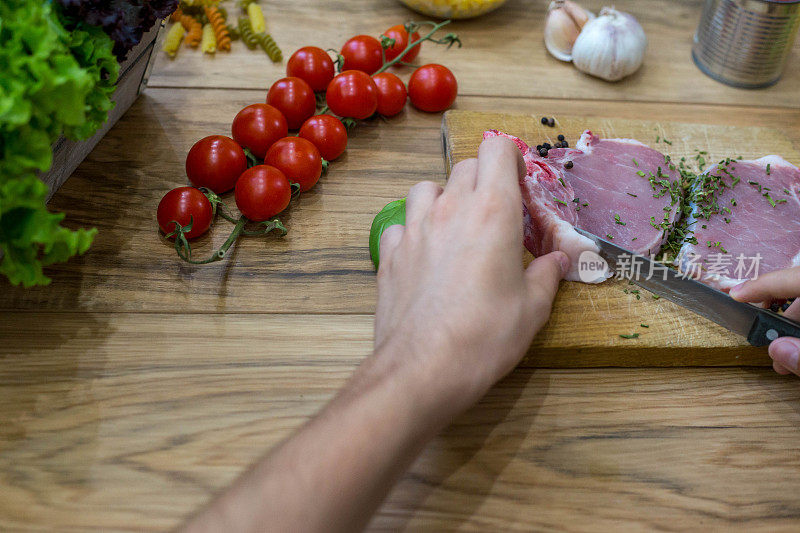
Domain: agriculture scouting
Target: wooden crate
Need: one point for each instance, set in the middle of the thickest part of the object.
(67, 154)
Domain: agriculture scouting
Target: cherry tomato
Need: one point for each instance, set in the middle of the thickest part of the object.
(432, 88)
(294, 98)
(215, 162)
(327, 133)
(313, 65)
(392, 93)
(363, 53)
(184, 205)
(400, 36)
(257, 126)
(298, 159)
(352, 94)
(262, 192)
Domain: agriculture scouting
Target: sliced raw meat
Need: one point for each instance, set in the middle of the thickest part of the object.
(615, 188)
(747, 225)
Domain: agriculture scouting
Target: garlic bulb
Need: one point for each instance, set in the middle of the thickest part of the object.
(610, 46)
(564, 22)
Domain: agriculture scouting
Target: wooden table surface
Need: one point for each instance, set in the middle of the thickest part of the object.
(134, 387)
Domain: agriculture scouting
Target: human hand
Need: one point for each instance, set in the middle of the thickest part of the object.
(778, 285)
(455, 301)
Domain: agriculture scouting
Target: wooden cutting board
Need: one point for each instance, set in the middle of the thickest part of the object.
(588, 320)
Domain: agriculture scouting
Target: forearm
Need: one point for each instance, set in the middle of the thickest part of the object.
(333, 473)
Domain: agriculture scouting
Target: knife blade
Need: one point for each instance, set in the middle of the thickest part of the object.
(759, 326)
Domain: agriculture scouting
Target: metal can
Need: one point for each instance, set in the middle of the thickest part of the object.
(745, 43)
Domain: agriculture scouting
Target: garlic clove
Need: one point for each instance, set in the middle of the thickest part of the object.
(610, 46)
(564, 22)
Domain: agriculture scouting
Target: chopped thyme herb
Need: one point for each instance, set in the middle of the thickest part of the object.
(562, 182)
(635, 163)
(656, 297)
(658, 138)
(634, 239)
(640, 173)
(631, 194)
(644, 325)
(631, 336)
(585, 204)
(768, 169)
(769, 199)
(559, 201)
(610, 237)
(668, 142)
(618, 221)
(787, 191)
(781, 201)
(733, 202)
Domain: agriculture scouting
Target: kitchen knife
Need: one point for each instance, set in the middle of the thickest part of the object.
(759, 326)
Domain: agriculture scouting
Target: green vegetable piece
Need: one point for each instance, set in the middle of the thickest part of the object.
(632, 336)
(392, 213)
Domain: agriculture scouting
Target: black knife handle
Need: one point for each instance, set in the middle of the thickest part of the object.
(767, 327)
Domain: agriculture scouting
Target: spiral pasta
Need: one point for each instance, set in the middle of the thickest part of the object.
(268, 44)
(194, 30)
(209, 42)
(173, 39)
(256, 17)
(246, 32)
(217, 22)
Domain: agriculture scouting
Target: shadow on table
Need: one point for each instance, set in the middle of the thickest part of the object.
(463, 460)
(47, 403)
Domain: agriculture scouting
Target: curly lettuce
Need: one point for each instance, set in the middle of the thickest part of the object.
(54, 81)
(125, 21)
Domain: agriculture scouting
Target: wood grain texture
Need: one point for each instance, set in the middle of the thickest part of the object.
(134, 387)
(128, 422)
(503, 54)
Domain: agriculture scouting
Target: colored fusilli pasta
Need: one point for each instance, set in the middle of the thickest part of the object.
(194, 30)
(268, 44)
(217, 22)
(256, 17)
(209, 42)
(246, 32)
(173, 39)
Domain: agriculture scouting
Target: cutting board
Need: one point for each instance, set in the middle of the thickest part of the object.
(587, 320)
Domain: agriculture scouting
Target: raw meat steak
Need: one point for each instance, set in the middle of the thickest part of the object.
(618, 189)
(758, 204)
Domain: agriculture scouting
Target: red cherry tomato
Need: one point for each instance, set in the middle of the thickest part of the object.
(400, 36)
(432, 88)
(257, 126)
(327, 133)
(352, 94)
(313, 65)
(215, 162)
(363, 53)
(392, 93)
(298, 159)
(262, 192)
(294, 98)
(184, 205)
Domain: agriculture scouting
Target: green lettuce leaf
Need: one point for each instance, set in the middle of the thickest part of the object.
(53, 82)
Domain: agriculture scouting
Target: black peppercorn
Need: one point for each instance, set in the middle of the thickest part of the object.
(546, 145)
(551, 122)
(565, 144)
(544, 120)
(560, 137)
(568, 165)
(538, 147)
(543, 152)
(557, 145)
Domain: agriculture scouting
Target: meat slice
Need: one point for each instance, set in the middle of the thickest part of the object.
(618, 189)
(746, 222)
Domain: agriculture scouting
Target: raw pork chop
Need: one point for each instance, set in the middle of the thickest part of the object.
(617, 189)
(763, 197)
